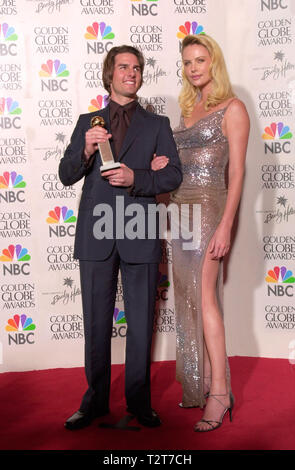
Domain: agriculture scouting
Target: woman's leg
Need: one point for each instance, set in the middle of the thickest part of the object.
(214, 339)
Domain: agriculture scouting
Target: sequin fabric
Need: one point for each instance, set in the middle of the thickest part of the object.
(203, 150)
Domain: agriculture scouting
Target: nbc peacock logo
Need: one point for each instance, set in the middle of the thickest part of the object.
(15, 253)
(277, 131)
(8, 36)
(119, 316)
(54, 68)
(163, 284)
(119, 327)
(15, 260)
(9, 107)
(20, 323)
(59, 216)
(278, 136)
(7, 32)
(98, 103)
(20, 330)
(54, 75)
(189, 28)
(11, 180)
(9, 113)
(11, 187)
(99, 37)
(280, 282)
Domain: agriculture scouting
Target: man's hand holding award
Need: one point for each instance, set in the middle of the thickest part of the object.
(97, 137)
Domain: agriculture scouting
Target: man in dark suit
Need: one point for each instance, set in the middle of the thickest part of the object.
(136, 136)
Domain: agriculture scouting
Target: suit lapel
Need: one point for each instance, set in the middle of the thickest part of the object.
(136, 127)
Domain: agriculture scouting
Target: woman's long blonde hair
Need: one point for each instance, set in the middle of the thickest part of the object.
(221, 86)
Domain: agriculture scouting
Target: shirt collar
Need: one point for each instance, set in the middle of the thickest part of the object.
(129, 107)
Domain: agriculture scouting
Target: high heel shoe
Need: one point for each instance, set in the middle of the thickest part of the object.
(213, 423)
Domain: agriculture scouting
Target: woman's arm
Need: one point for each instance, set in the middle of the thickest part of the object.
(236, 128)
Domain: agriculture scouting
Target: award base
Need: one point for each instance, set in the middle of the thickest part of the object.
(109, 166)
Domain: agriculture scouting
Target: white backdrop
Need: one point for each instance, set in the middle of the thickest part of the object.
(51, 54)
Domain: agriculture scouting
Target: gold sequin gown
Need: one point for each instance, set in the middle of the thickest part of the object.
(203, 150)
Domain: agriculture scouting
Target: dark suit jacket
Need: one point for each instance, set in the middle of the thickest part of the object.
(147, 134)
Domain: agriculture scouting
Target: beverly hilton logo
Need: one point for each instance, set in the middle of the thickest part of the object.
(99, 31)
(98, 103)
(281, 68)
(152, 72)
(282, 213)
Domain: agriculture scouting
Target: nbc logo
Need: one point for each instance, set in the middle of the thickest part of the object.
(14, 260)
(119, 319)
(8, 182)
(98, 103)
(9, 113)
(189, 28)
(280, 282)
(163, 285)
(58, 216)
(278, 136)
(7, 38)
(21, 328)
(53, 75)
(99, 30)
(119, 316)
(144, 7)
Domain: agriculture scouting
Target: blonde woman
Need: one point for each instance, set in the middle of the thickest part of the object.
(211, 138)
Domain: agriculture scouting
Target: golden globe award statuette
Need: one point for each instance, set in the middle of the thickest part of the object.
(104, 148)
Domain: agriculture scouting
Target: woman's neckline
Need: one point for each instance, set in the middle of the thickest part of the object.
(203, 118)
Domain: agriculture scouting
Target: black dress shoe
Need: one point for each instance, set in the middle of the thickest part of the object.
(82, 419)
(147, 418)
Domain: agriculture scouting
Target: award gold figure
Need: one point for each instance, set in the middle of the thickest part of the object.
(104, 148)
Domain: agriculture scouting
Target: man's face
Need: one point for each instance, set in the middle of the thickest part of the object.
(126, 78)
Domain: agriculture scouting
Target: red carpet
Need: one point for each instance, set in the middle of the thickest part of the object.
(35, 404)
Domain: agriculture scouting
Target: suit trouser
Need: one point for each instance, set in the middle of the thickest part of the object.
(98, 286)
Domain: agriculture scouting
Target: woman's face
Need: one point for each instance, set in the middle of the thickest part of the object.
(196, 62)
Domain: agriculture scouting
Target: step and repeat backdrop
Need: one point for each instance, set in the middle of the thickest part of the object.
(51, 55)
